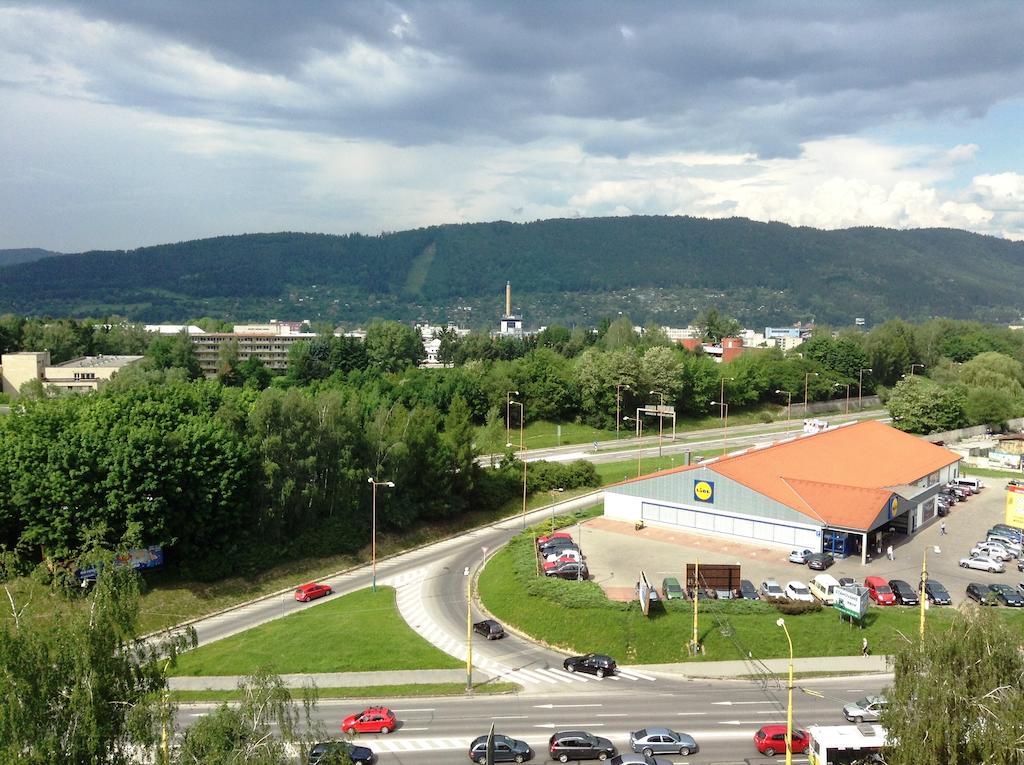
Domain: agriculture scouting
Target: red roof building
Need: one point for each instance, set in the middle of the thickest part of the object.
(823, 491)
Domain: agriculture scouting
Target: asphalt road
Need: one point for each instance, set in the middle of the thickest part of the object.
(721, 715)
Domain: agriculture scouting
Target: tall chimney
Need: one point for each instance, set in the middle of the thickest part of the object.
(508, 298)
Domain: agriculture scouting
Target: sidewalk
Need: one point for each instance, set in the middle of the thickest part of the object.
(722, 670)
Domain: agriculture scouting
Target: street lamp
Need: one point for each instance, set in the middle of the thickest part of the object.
(551, 493)
(508, 401)
(639, 442)
(789, 706)
(469, 624)
(789, 404)
(840, 385)
(522, 451)
(807, 377)
(661, 418)
(618, 401)
(721, 391)
(724, 409)
(373, 544)
(912, 366)
(860, 388)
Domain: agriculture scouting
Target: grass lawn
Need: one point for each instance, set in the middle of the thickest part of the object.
(361, 632)
(728, 629)
(987, 472)
(359, 692)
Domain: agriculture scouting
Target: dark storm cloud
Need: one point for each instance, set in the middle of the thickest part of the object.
(615, 77)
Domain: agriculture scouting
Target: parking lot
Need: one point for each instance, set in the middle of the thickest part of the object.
(616, 552)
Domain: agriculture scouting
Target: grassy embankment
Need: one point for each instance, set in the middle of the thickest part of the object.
(509, 588)
(359, 692)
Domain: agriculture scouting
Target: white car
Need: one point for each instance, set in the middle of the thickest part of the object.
(799, 556)
(799, 591)
(573, 555)
(1013, 547)
(991, 565)
(771, 589)
(991, 550)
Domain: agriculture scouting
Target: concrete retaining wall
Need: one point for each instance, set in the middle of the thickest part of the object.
(952, 436)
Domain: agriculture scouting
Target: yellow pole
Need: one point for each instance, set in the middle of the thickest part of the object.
(469, 631)
(924, 581)
(696, 599)
(639, 446)
(789, 704)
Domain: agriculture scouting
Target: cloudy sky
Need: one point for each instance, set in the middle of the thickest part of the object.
(146, 121)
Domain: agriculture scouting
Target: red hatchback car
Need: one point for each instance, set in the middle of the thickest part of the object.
(771, 740)
(312, 591)
(372, 720)
(552, 537)
(880, 591)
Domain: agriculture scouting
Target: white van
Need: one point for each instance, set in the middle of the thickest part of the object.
(974, 484)
(823, 587)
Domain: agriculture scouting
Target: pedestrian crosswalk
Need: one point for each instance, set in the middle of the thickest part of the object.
(409, 586)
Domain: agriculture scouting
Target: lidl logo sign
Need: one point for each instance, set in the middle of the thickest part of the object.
(704, 491)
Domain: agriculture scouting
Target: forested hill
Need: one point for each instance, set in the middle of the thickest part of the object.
(572, 270)
(24, 255)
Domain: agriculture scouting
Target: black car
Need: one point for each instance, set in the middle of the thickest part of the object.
(747, 590)
(568, 745)
(490, 629)
(594, 663)
(334, 752)
(701, 593)
(557, 544)
(905, 594)
(1007, 595)
(982, 594)
(505, 749)
(820, 561)
(847, 581)
(936, 593)
(568, 570)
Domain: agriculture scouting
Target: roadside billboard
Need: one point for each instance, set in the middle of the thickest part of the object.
(1015, 506)
(851, 601)
(643, 591)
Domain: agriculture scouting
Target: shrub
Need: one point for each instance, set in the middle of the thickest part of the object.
(797, 607)
(765, 417)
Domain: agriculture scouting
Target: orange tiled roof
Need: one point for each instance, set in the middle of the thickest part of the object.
(841, 476)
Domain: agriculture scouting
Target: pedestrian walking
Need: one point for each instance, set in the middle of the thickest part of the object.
(864, 651)
(942, 529)
(888, 553)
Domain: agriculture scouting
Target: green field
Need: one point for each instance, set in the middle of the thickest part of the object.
(358, 692)
(728, 629)
(361, 632)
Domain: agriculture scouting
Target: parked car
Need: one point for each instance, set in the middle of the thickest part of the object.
(650, 741)
(555, 561)
(558, 546)
(672, 589)
(771, 589)
(746, 590)
(701, 593)
(905, 594)
(800, 556)
(563, 553)
(1007, 595)
(937, 594)
(798, 591)
(370, 720)
(991, 565)
(847, 581)
(328, 751)
(311, 591)
(820, 561)
(771, 739)
(490, 629)
(568, 745)
(1011, 531)
(592, 663)
(879, 591)
(1014, 482)
(1020, 564)
(543, 540)
(632, 758)
(505, 749)
(569, 570)
(1014, 547)
(868, 709)
(982, 594)
(990, 550)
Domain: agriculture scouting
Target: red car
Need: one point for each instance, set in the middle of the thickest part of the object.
(541, 541)
(771, 739)
(312, 591)
(372, 720)
(880, 591)
(553, 562)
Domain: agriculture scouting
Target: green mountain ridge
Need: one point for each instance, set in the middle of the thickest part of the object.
(655, 268)
(24, 255)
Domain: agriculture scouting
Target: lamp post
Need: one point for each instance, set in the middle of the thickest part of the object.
(912, 366)
(807, 377)
(789, 405)
(551, 493)
(840, 385)
(924, 593)
(724, 408)
(789, 705)
(721, 388)
(508, 403)
(522, 451)
(469, 625)
(373, 544)
(661, 419)
(860, 388)
(618, 402)
(639, 442)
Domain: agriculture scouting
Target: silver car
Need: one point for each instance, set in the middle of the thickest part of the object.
(661, 741)
(867, 708)
(630, 758)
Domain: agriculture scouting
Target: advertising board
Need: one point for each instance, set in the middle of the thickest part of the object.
(1015, 506)
(852, 601)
